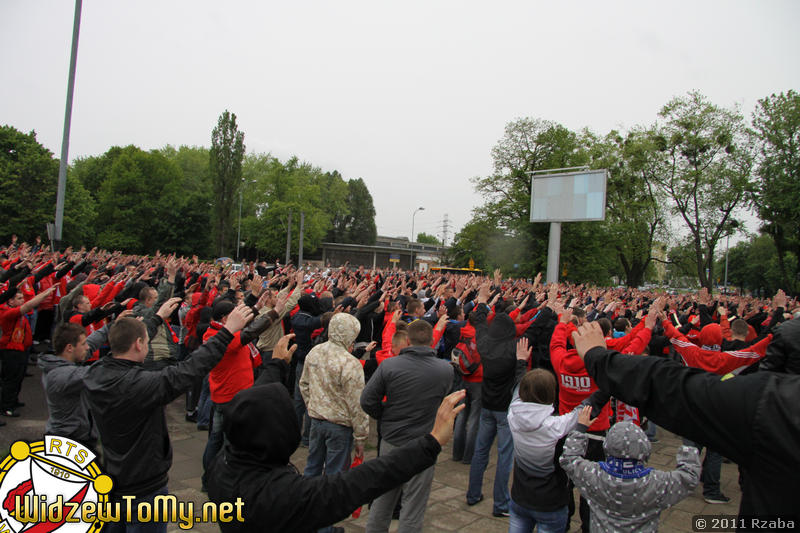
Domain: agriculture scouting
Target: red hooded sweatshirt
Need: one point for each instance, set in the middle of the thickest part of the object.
(574, 383)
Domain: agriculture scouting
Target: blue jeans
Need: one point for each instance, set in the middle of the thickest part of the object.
(139, 527)
(492, 423)
(523, 520)
(215, 440)
(329, 448)
(204, 405)
(466, 427)
(300, 406)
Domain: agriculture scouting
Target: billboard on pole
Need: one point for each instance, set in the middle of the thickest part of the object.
(569, 196)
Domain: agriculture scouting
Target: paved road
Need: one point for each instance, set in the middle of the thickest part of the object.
(447, 509)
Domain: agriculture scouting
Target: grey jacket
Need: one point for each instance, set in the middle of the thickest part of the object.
(67, 405)
(635, 503)
(414, 384)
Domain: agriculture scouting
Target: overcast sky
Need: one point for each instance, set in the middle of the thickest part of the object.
(410, 96)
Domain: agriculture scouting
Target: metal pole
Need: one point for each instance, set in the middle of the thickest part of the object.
(239, 233)
(727, 240)
(288, 237)
(62, 167)
(300, 245)
(553, 252)
(412, 222)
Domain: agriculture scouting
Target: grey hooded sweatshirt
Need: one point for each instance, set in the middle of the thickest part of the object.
(63, 386)
(622, 493)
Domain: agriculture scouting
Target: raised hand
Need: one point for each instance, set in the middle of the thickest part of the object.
(446, 415)
(282, 350)
(523, 349)
(168, 307)
(238, 318)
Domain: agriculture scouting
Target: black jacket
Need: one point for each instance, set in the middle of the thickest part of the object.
(783, 353)
(304, 322)
(753, 420)
(262, 433)
(127, 404)
(497, 346)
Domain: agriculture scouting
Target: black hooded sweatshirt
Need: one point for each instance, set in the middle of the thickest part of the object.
(497, 346)
(262, 433)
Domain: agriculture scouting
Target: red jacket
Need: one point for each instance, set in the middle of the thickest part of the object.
(716, 362)
(17, 333)
(574, 383)
(468, 333)
(234, 372)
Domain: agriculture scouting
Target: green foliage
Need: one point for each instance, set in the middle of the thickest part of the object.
(706, 156)
(777, 197)
(28, 185)
(280, 188)
(141, 207)
(424, 238)
(225, 163)
(472, 242)
(634, 216)
(361, 227)
(753, 265)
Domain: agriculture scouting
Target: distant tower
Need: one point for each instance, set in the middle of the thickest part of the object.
(445, 228)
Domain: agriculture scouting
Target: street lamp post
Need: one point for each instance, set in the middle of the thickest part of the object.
(412, 221)
(239, 232)
(731, 228)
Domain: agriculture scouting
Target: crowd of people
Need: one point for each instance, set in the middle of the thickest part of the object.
(571, 380)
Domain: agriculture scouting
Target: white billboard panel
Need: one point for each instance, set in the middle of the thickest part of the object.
(569, 197)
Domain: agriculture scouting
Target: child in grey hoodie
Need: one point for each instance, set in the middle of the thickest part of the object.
(623, 493)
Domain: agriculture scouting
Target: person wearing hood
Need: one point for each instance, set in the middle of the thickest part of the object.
(623, 493)
(331, 386)
(414, 384)
(502, 368)
(62, 380)
(262, 433)
(539, 493)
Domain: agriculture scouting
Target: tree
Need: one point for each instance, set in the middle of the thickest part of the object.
(634, 216)
(527, 145)
(341, 216)
(362, 228)
(144, 206)
(472, 242)
(225, 162)
(777, 197)
(704, 166)
(28, 183)
(196, 198)
(753, 265)
(424, 238)
(281, 188)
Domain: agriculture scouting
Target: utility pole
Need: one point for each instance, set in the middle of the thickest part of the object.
(288, 237)
(62, 167)
(300, 245)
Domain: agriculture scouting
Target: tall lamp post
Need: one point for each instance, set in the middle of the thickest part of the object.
(239, 233)
(412, 221)
(731, 228)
